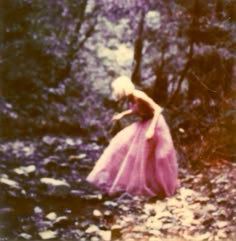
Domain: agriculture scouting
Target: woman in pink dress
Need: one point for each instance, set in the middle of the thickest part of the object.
(140, 159)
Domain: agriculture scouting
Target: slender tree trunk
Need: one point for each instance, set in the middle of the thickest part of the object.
(160, 87)
(138, 47)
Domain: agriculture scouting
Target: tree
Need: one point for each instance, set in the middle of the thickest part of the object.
(40, 42)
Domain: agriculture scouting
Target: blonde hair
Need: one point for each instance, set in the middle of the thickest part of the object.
(121, 87)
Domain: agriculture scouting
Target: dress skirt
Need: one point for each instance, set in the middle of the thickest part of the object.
(138, 166)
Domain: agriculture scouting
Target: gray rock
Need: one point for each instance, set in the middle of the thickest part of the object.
(25, 236)
(77, 193)
(77, 158)
(49, 140)
(105, 235)
(51, 216)
(56, 187)
(6, 210)
(92, 229)
(61, 221)
(38, 210)
(93, 197)
(51, 161)
(108, 213)
(48, 234)
(25, 170)
(10, 183)
(110, 204)
(97, 213)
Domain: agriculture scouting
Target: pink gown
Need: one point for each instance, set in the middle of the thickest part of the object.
(135, 165)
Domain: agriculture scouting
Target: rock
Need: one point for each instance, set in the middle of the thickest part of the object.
(127, 220)
(222, 200)
(25, 236)
(108, 213)
(167, 226)
(204, 236)
(77, 158)
(95, 238)
(27, 228)
(97, 213)
(49, 140)
(6, 210)
(220, 213)
(69, 141)
(207, 219)
(48, 234)
(64, 167)
(221, 234)
(174, 203)
(163, 215)
(153, 223)
(61, 221)
(6, 214)
(105, 235)
(160, 206)
(28, 150)
(203, 199)
(221, 224)
(56, 187)
(83, 239)
(51, 161)
(77, 193)
(44, 225)
(93, 197)
(186, 193)
(37, 210)
(85, 224)
(68, 211)
(221, 179)
(110, 204)
(154, 239)
(210, 207)
(9, 183)
(155, 232)
(51, 216)
(149, 209)
(92, 229)
(77, 234)
(124, 208)
(25, 171)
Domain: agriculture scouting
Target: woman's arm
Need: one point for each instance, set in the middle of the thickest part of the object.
(151, 129)
(122, 114)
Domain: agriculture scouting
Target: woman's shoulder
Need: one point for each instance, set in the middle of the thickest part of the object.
(140, 94)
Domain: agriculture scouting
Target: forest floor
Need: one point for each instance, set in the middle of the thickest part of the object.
(44, 197)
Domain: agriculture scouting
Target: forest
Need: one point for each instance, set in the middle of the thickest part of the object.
(57, 61)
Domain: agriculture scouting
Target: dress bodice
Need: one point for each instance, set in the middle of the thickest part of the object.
(141, 108)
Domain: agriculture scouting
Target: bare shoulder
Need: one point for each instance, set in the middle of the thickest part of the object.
(140, 94)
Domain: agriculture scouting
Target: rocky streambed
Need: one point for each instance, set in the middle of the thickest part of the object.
(44, 196)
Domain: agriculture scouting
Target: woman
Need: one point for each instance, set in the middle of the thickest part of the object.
(140, 159)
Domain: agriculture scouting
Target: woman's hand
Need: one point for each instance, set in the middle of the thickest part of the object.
(121, 115)
(149, 134)
(117, 117)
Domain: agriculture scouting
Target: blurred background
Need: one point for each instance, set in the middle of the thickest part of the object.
(57, 59)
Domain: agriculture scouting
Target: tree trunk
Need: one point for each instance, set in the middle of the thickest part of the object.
(138, 47)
